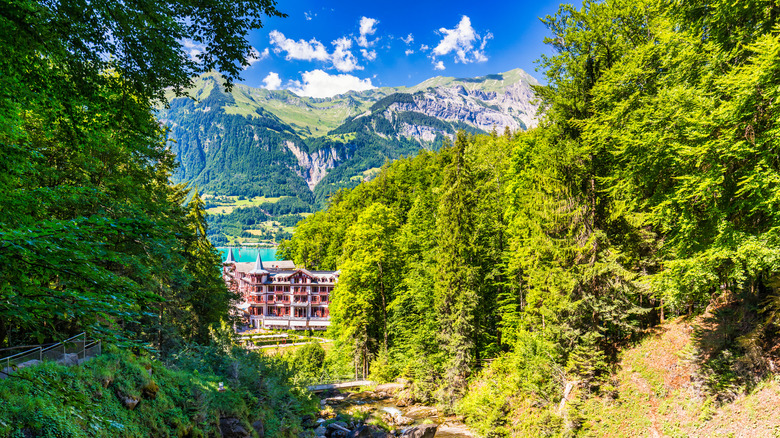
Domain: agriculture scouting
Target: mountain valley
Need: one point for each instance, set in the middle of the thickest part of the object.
(272, 146)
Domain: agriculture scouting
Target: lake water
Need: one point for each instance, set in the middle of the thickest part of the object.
(244, 254)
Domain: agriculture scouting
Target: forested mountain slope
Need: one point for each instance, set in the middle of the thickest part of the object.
(257, 142)
(515, 279)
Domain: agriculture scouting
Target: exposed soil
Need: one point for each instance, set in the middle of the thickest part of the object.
(660, 393)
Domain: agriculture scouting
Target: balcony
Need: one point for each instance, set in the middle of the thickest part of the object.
(300, 303)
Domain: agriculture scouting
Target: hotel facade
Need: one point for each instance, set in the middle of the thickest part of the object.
(279, 296)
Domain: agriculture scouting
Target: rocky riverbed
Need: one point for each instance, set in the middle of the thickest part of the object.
(381, 413)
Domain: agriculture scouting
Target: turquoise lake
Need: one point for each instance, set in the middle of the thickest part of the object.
(244, 254)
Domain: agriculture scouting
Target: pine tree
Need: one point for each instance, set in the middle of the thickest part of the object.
(456, 278)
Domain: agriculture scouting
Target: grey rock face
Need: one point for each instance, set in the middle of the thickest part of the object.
(232, 428)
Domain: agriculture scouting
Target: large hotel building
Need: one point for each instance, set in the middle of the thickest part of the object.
(279, 296)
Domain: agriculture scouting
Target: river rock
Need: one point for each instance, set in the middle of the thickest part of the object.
(369, 431)
(422, 412)
(421, 431)
(361, 432)
(338, 429)
(232, 428)
(389, 388)
(360, 409)
(403, 402)
(335, 400)
(400, 420)
(320, 430)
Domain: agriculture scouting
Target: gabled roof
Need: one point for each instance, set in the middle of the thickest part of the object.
(305, 271)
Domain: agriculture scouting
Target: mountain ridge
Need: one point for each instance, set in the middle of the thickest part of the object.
(255, 142)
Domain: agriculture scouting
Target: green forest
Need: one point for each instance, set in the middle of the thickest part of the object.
(517, 280)
(94, 238)
(504, 268)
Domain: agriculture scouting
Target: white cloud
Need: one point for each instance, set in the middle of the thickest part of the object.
(408, 40)
(460, 41)
(193, 49)
(309, 15)
(272, 81)
(304, 50)
(342, 58)
(367, 27)
(369, 55)
(255, 56)
(408, 52)
(439, 66)
(318, 83)
(424, 48)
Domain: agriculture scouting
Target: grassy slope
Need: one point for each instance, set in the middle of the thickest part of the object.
(316, 117)
(229, 203)
(659, 394)
(86, 401)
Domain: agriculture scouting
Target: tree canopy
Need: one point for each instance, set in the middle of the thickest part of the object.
(92, 235)
(649, 189)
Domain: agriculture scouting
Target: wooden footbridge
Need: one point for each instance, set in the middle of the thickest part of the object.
(339, 385)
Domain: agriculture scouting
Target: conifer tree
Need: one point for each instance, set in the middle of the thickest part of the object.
(456, 276)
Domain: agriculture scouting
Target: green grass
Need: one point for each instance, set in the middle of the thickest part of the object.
(228, 203)
(52, 400)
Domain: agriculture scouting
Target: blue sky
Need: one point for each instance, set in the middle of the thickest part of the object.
(323, 48)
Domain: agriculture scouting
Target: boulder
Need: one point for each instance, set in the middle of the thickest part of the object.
(232, 428)
(362, 432)
(129, 401)
(400, 420)
(337, 429)
(29, 363)
(69, 359)
(259, 428)
(421, 431)
(320, 430)
(422, 412)
(369, 431)
(105, 381)
(389, 388)
(309, 422)
(150, 390)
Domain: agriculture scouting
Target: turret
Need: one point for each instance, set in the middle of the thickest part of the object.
(230, 259)
(258, 269)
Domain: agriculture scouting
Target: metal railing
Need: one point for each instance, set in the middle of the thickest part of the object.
(69, 351)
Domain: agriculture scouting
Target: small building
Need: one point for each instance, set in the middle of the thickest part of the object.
(278, 295)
